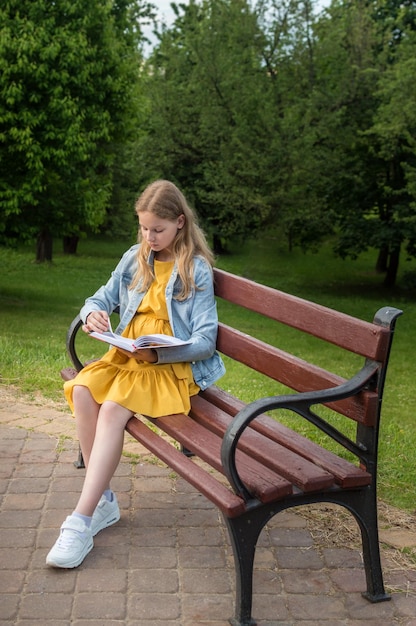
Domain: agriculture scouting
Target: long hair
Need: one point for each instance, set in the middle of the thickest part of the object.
(166, 201)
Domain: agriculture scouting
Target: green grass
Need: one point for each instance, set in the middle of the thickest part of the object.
(38, 303)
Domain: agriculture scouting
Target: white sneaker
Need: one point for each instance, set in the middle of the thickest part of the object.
(73, 544)
(105, 514)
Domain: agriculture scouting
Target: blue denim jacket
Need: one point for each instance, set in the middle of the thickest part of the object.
(194, 318)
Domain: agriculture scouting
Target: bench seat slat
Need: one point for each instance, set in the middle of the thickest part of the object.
(68, 373)
(266, 485)
(227, 501)
(301, 472)
(346, 474)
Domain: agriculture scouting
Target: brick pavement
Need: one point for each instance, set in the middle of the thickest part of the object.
(168, 561)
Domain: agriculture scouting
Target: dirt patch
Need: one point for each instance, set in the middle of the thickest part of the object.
(333, 526)
(11, 393)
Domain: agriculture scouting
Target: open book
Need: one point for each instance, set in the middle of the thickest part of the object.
(145, 341)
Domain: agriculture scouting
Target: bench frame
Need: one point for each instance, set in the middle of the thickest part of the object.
(221, 429)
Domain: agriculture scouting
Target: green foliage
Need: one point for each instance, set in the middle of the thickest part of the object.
(68, 71)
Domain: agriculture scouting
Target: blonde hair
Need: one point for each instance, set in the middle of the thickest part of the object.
(163, 199)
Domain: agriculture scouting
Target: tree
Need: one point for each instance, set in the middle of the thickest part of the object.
(392, 138)
(361, 139)
(296, 193)
(68, 71)
(208, 127)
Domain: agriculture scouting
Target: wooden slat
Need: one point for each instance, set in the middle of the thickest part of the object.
(268, 486)
(294, 372)
(357, 336)
(305, 475)
(346, 474)
(229, 503)
(68, 373)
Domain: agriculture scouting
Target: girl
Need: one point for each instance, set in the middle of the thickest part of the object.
(162, 285)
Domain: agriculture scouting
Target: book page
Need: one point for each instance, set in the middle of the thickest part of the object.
(146, 341)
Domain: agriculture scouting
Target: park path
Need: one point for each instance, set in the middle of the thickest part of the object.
(168, 561)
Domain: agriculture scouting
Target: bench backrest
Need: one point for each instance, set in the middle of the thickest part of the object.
(369, 340)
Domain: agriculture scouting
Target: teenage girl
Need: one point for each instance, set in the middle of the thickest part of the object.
(163, 284)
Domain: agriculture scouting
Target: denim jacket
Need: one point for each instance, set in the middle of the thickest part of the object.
(194, 318)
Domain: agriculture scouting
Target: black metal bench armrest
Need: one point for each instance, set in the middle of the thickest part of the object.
(70, 342)
(299, 403)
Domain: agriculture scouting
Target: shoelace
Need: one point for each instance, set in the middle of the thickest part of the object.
(66, 539)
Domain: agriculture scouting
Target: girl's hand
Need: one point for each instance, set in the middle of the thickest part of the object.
(143, 354)
(97, 321)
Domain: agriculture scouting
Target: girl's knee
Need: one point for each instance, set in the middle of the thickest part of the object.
(81, 395)
(115, 414)
(79, 391)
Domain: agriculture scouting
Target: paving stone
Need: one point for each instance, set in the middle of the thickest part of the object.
(154, 580)
(11, 581)
(15, 558)
(206, 581)
(9, 606)
(306, 581)
(315, 606)
(193, 536)
(164, 536)
(155, 556)
(103, 605)
(299, 558)
(154, 606)
(204, 557)
(44, 606)
(49, 580)
(348, 580)
(198, 606)
(290, 537)
(91, 580)
(22, 519)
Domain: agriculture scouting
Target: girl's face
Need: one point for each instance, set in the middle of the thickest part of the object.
(159, 233)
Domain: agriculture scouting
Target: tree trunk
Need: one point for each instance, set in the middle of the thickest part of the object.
(393, 266)
(44, 246)
(382, 259)
(217, 246)
(70, 244)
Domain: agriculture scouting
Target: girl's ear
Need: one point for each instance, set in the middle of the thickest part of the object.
(181, 221)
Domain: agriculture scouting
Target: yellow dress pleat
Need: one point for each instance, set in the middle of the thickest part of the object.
(146, 388)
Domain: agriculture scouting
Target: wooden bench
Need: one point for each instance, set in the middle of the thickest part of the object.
(262, 466)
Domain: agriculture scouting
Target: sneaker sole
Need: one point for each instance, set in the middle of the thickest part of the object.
(71, 564)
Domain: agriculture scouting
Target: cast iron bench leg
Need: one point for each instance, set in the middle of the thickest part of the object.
(79, 463)
(244, 532)
(366, 515)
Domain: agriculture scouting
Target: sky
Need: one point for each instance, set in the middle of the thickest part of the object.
(166, 14)
(165, 11)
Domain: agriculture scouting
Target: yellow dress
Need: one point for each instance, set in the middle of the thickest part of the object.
(141, 387)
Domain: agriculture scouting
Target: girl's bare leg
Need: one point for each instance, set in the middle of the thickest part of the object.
(86, 410)
(103, 456)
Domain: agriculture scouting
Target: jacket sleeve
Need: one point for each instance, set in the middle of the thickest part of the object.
(196, 319)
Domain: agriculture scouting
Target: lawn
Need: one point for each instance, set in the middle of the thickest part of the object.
(39, 301)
